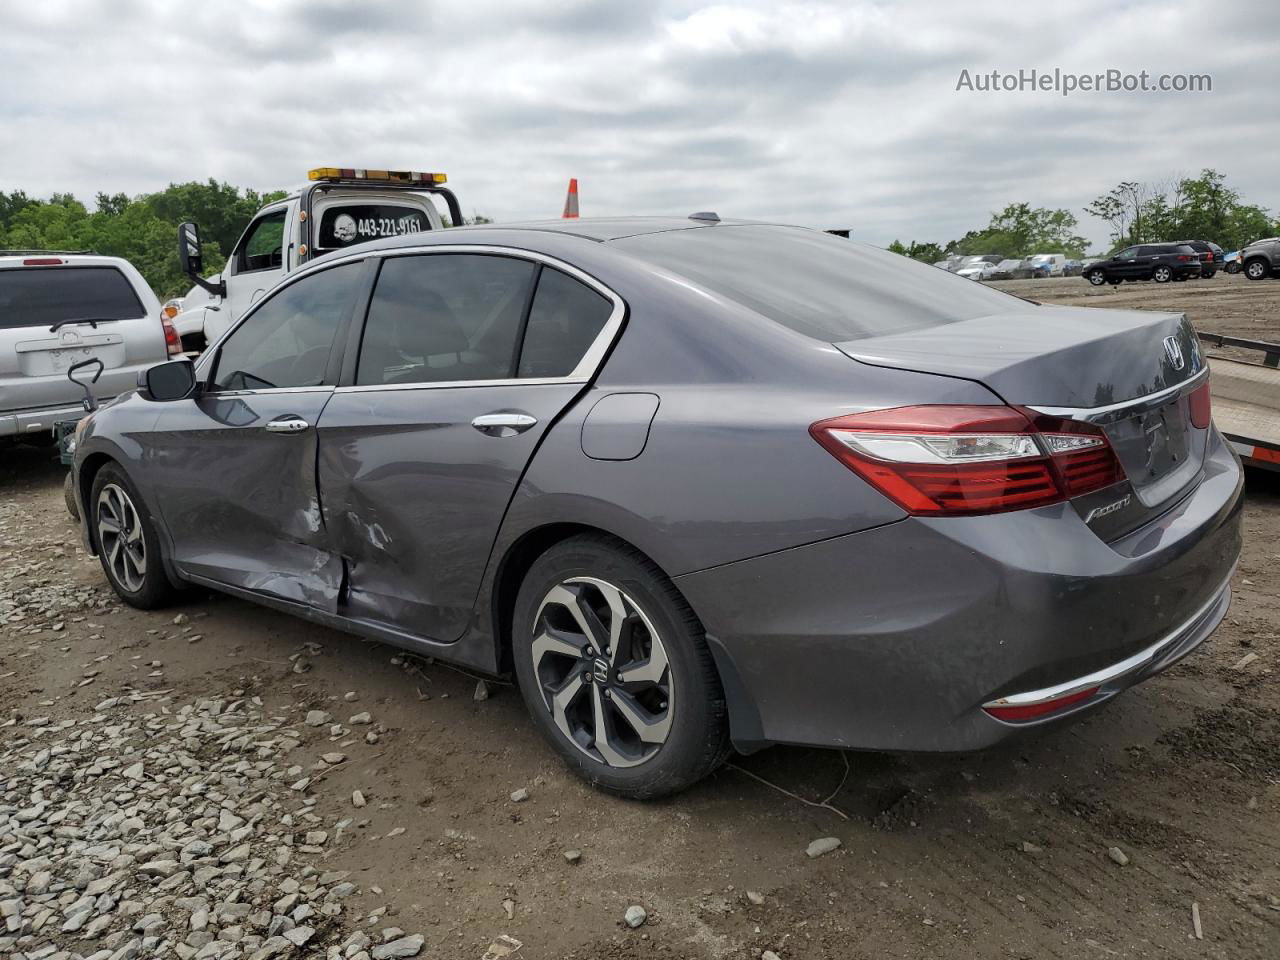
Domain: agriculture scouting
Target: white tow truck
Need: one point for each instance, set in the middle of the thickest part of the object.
(337, 208)
(1246, 397)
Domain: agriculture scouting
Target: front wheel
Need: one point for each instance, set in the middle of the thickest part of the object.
(1097, 277)
(127, 542)
(1162, 274)
(615, 670)
(1257, 270)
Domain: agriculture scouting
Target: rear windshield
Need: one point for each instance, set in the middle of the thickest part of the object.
(341, 226)
(822, 286)
(41, 296)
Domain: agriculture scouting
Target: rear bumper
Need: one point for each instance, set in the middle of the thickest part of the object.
(895, 638)
(17, 423)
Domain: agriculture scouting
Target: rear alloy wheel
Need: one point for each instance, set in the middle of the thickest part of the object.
(128, 546)
(1162, 274)
(1256, 269)
(1097, 277)
(615, 670)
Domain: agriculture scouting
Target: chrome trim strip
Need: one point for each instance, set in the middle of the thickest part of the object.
(584, 371)
(1107, 674)
(1118, 411)
(446, 384)
(265, 391)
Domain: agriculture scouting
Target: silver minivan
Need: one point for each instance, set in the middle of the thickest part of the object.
(57, 309)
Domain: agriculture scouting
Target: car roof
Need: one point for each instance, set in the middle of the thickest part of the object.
(598, 229)
(16, 258)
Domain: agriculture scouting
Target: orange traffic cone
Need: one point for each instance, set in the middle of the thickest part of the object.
(571, 200)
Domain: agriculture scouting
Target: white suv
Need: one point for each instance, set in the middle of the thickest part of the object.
(57, 309)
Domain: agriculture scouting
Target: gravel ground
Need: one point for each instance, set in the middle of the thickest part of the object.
(218, 780)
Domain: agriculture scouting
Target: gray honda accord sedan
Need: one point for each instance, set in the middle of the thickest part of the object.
(695, 483)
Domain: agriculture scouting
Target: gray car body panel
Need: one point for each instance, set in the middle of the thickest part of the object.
(835, 618)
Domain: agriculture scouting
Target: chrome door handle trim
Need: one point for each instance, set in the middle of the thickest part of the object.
(287, 425)
(503, 424)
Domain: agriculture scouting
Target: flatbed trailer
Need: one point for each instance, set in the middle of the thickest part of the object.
(1246, 398)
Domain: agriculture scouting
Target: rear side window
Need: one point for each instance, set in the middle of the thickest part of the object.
(442, 317)
(41, 296)
(822, 286)
(564, 321)
(341, 226)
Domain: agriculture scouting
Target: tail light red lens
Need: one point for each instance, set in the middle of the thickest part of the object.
(172, 342)
(42, 262)
(1034, 711)
(940, 460)
(1201, 407)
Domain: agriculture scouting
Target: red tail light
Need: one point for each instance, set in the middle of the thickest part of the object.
(1032, 711)
(1201, 406)
(941, 460)
(1183, 258)
(172, 342)
(43, 262)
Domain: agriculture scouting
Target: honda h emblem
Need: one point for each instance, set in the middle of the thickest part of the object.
(1174, 350)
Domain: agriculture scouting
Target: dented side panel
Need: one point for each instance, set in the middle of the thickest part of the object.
(414, 494)
(241, 502)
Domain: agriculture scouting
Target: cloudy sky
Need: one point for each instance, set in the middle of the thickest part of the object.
(826, 114)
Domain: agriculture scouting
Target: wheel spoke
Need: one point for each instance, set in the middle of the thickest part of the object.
(604, 741)
(551, 641)
(617, 617)
(650, 728)
(108, 525)
(561, 701)
(570, 600)
(650, 670)
(121, 539)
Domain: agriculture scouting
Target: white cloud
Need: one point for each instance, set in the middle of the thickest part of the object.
(828, 114)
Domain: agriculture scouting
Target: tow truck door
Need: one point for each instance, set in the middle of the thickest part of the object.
(259, 260)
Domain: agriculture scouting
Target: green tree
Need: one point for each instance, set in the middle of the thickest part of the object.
(1020, 230)
(924, 252)
(222, 211)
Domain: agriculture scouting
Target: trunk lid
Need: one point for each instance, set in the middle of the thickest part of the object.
(1128, 371)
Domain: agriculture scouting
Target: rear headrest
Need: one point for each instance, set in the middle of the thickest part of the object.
(426, 325)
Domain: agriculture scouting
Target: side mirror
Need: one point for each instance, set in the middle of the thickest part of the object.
(190, 255)
(191, 259)
(165, 382)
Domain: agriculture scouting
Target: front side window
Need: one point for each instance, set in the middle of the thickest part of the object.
(564, 321)
(437, 318)
(263, 246)
(287, 341)
(1128, 254)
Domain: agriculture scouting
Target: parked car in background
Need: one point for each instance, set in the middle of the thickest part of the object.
(1073, 268)
(1004, 270)
(971, 259)
(1231, 262)
(1210, 254)
(1261, 258)
(980, 270)
(57, 309)
(1056, 262)
(509, 430)
(1160, 262)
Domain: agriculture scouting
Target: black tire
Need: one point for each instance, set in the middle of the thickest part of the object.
(69, 497)
(693, 717)
(1098, 278)
(151, 588)
(1233, 267)
(1257, 269)
(1162, 274)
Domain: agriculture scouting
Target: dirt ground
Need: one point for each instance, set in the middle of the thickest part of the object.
(999, 854)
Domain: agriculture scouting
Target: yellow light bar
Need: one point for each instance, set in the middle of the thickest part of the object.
(398, 176)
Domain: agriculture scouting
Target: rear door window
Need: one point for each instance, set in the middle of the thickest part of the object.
(822, 286)
(345, 224)
(444, 317)
(42, 296)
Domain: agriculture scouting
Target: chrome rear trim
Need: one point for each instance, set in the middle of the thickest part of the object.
(1101, 678)
(1119, 411)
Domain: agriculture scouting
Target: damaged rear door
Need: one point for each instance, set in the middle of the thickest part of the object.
(466, 359)
(234, 468)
